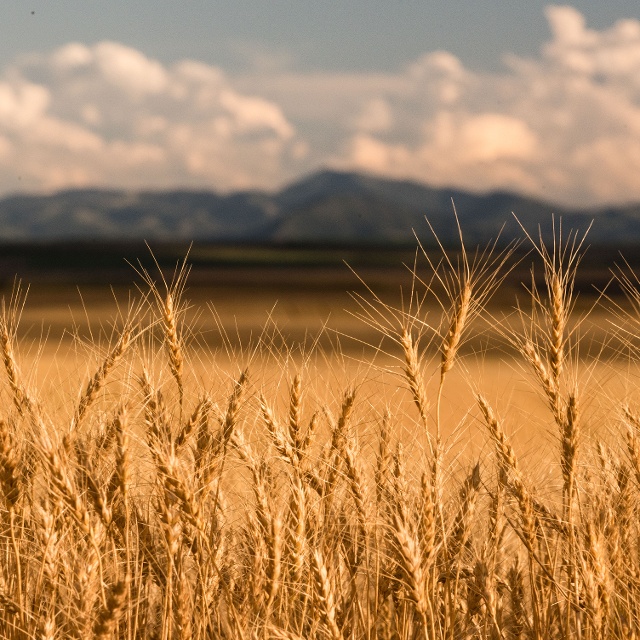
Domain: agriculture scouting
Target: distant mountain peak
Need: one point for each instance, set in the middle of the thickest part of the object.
(328, 206)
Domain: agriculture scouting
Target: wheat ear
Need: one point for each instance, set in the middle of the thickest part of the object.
(558, 323)
(413, 374)
(97, 381)
(281, 438)
(454, 335)
(596, 580)
(195, 420)
(176, 358)
(9, 461)
(464, 517)
(410, 560)
(295, 415)
(21, 397)
(233, 407)
(509, 460)
(570, 436)
(296, 538)
(108, 619)
(325, 595)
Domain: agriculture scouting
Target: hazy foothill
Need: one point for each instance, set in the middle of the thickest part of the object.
(323, 208)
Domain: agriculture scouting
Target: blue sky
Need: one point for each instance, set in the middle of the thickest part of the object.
(538, 98)
(359, 35)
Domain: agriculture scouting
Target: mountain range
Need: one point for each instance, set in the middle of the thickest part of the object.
(325, 208)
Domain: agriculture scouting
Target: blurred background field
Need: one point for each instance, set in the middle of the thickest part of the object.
(302, 287)
(281, 310)
(268, 344)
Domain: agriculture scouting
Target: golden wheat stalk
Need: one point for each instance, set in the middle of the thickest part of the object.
(510, 464)
(97, 381)
(596, 580)
(109, 616)
(413, 374)
(20, 397)
(123, 458)
(570, 437)
(233, 406)
(183, 605)
(457, 328)
(557, 294)
(97, 491)
(295, 415)
(9, 471)
(547, 380)
(176, 358)
(497, 526)
(62, 480)
(325, 595)
(194, 422)
(409, 559)
(383, 462)
(357, 488)
(297, 531)
(338, 442)
(86, 589)
(281, 438)
(460, 529)
(427, 523)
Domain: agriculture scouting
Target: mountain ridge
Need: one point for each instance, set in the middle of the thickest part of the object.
(326, 207)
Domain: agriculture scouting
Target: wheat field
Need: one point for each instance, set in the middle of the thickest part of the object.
(451, 473)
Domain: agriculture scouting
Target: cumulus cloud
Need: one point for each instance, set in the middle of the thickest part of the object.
(108, 115)
(563, 125)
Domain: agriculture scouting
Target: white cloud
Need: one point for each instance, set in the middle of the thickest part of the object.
(490, 137)
(129, 69)
(375, 116)
(72, 56)
(254, 114)
(108, 115)
(22, 104)
(564, 125)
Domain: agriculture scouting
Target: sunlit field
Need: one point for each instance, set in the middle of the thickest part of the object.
(447, 449)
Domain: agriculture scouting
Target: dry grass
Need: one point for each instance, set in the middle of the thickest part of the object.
(160, 505)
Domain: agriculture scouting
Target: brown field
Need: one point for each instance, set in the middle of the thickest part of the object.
(276, 450)
(281, 321)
